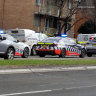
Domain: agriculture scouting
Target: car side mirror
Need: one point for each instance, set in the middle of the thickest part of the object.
(17, 41)
(75, 43)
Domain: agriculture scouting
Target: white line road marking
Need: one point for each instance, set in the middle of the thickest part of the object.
(31, 92)
(70, 88)
(44, 91)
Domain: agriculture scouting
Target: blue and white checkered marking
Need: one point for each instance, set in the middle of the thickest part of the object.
(73, 49)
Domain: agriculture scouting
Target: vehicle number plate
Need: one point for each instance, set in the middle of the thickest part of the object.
(44, 46)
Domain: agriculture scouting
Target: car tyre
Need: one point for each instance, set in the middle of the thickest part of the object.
(63, 53)
(83, 52)
(10, 54)
(41, 55)
(89, 54)
(25, 53)
(33, 51)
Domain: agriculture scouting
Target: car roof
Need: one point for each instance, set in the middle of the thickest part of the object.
(58, 38)
(51, 39)
(54, 38)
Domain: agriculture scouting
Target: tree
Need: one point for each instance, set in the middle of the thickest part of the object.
(63, 22)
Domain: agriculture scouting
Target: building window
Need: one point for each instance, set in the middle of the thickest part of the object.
(37, 20)
(38, 2)
(48, 22)
(69, 4)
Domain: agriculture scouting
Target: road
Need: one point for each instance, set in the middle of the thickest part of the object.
(53, 57)
(68, 83)
(56, 57)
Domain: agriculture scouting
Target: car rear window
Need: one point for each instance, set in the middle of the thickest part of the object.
(51, 40)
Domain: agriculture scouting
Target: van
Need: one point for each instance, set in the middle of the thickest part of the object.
(30, 37)
(84, 38)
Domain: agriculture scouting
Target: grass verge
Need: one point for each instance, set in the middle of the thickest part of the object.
(33, 62)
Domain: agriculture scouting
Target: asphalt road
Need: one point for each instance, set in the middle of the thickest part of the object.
(52, 57)
(70, 83)
(56, 57)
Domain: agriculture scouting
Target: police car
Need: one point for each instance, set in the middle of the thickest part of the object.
(91, 46)
(10, 47)
(29, 37)
(60, 46)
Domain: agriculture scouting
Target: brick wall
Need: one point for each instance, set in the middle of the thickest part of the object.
(20, 14)
(82, 19)
(78, 24)
(17, 14)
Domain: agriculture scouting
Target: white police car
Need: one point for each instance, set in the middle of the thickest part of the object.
(10, 47)
(60, 46)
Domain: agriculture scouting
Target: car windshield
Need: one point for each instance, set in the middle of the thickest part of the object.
(9, 37)
(69, 41)
(51, 39)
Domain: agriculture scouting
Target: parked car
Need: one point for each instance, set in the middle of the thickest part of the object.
(84, 38)
(10, 47)
(29, 37)
(89, 41)
(60, 46)
(91, 46)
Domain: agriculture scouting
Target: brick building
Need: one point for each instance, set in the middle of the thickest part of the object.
(38, 15)
(25, 14)
(85, 12)
(17, 14)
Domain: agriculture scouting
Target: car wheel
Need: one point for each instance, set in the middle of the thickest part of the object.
(63, 53)
(83, 52)
(33, 51)
(10, 54)
(25, 53)
(89, 54)
(41, 55)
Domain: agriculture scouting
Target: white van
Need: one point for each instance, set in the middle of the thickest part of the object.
(84, 38)
(30, 37)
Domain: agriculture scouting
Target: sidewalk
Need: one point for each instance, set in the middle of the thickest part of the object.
(52, 69)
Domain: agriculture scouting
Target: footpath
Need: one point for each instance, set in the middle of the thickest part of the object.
(46, 69)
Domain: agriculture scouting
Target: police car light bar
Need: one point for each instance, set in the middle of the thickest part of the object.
(64, 35)
(2, 32)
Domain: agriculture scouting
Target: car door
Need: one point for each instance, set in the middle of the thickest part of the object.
(19, 47)
(3, 46)
(71, 47)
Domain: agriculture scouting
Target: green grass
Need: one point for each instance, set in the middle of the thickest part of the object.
(33, 62)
